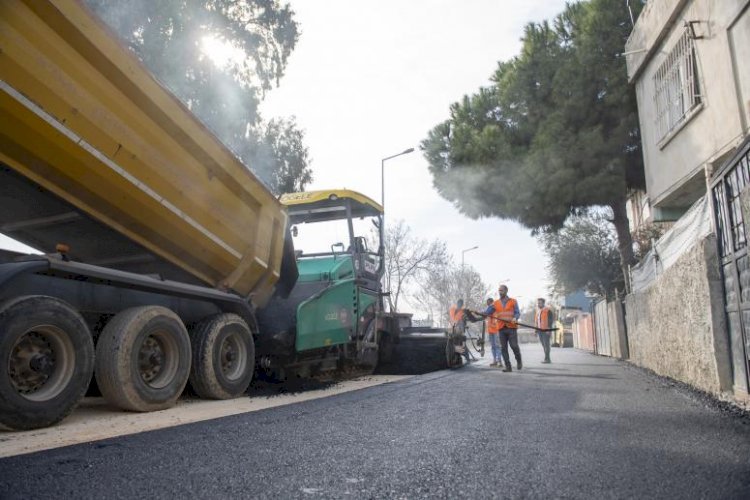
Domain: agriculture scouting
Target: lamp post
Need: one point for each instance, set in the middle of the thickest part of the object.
(384, 276)
(463, 274)
(382, 189)
(382, 174)
(464, 251)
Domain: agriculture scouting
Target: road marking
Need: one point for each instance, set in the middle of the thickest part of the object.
(94, 420)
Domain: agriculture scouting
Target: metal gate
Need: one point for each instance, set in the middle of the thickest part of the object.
(729, 181)
(601, 328)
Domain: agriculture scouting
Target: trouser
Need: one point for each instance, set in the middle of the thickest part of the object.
(544, 339)
(495, 345)
(510, 336)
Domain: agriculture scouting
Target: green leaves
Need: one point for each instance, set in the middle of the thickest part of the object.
(584, 255)
(557, 131)
(281, 157)
(555, 134)
(219, 57)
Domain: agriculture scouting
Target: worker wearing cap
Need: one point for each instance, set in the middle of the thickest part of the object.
(505, 309)
(458, 323)
(543, 320)
(493, 328)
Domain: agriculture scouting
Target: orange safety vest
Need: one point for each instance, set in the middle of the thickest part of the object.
(456, 314)
(542, 318)
(493, 325)
(505, 311)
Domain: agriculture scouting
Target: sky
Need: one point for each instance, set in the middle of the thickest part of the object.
(369, 79)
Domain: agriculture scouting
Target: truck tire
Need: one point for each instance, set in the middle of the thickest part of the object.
(143, 359)
(223, 357)
(46, 361)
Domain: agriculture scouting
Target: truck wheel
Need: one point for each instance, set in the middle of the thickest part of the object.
(223, 357)
(143, 359)
(46, 361)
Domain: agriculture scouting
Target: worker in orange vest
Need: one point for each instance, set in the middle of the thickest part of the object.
(506, 310)
(458, 323)
(493, 328)
(543, 320)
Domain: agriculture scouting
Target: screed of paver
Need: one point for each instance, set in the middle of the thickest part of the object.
(94, 420)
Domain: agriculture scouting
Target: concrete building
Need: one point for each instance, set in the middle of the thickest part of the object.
(689, 61)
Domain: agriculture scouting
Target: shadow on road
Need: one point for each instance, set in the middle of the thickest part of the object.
(571, 375)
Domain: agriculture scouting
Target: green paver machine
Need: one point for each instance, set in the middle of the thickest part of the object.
(333, 318)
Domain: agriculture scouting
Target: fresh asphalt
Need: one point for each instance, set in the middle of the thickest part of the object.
(583, 427)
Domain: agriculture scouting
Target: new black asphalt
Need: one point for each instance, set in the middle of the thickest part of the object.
(582, 427)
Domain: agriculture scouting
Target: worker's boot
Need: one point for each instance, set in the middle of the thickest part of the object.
(519, 365)
(508, 368)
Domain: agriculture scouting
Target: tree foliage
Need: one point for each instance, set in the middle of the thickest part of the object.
(555, 133)
(409, 260)
(423, 274)
(282, 157)
(169, 37)
(584, 255)
(441, 287)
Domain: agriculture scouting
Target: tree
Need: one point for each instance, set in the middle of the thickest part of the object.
(557, 132)
(409, 259)
(584, 255)
(441, 287)
(281, 158)
(170, 38)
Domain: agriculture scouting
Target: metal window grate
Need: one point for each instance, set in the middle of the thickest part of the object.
(735, 185)
(721, 222)
(676, 86)
(731, 228)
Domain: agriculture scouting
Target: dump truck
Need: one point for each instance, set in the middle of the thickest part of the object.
(167, 261)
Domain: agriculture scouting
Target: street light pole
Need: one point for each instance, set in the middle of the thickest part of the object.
(463, 252)
(463, 274)
(382, 190)
(382, 174)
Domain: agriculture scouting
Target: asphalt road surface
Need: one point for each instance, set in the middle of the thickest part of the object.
(582, 427)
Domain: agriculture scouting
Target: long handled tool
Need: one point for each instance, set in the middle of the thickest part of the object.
(512, 321)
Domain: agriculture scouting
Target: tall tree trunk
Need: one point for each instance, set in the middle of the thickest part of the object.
(624, 239)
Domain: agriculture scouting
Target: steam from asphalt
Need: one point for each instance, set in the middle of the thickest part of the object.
(238, 124)
(474, 185)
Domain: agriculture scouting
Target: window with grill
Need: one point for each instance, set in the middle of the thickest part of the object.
(730, 224)
(676, 87)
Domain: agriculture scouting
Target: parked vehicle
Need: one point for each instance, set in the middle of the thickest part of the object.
(167, 260)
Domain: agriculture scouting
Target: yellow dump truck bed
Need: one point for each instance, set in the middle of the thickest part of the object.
(86, 123)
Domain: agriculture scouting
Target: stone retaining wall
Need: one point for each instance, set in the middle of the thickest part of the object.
(676, 327)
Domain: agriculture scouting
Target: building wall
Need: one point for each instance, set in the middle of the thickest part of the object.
(601, 329)
(683, 335)
(739, 46)
(675, 168)
(583, 332)
(617, 337)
